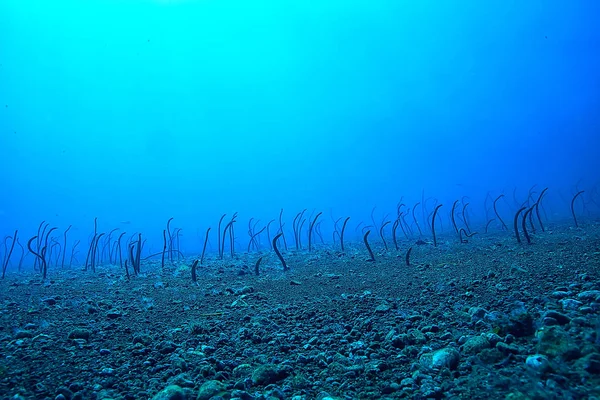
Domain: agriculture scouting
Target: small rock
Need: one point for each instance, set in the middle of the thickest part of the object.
(239, 291)
(493, 338)
(49, 300)
(555, 342)
(68, 394)
(382, 308)
(242, 371)
(538, 363)
(589, 295)
(517, 268)
(589, 363)
(209, 389)
(107, 371)
(80, 334)
(561, 319)
(265, 375)
(447, 357)
(570, 304)
(407, 382)
(241, 395)
(182, 380)
(144, 339)
(171, 392)
(166, 347)
(23, 334)
(114, 314)
(507, 348)
(475, 344)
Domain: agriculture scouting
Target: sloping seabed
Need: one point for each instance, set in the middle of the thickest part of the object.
(485, 319)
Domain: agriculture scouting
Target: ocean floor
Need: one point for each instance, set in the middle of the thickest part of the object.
(490, 319)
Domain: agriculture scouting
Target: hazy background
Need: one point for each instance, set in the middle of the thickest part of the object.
(138, 111)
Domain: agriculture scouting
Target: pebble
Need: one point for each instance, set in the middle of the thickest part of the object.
(264, 375)
(589, 295)
(209, 389)
(447, 357)
(475, 344)
(113, 314)
(50, 301)
(561, 319)
(538, 363)
(171, 392)
(23, 334)
(570, 304)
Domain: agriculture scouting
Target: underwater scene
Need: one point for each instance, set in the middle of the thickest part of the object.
(269, 200)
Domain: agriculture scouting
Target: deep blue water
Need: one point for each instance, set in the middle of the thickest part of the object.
(138, 111)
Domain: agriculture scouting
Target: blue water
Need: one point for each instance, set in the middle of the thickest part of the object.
(133, 112)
